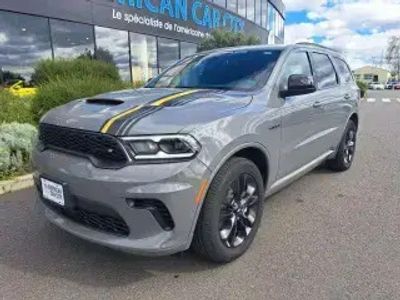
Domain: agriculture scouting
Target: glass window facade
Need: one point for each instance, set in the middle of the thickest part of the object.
(232, 5)
(251, 10)
(143, 56)
(242, 8)
(258, 12)
(188, 49)
(221, 3)
(264, 13)
(24, 40)
(27, 39)
(113, 46)
(71, 39)
(168, 53)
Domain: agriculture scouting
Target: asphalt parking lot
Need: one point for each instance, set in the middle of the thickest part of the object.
(327, 236)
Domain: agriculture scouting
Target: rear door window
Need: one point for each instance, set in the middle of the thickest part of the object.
(324, 71)
(344, 72)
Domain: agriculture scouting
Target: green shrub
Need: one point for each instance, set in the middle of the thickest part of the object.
(80, 68)
(363, 88)
(61, 91)
(222, 38)
(15, 109)
(16, 144)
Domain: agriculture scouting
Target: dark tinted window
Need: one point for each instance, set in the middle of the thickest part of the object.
(24, 40)
(324, 71)
(344, 71)
(296, 64)
(242, 70)
(71, 39)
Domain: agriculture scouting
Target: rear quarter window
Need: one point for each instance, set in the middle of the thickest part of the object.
(343, 69)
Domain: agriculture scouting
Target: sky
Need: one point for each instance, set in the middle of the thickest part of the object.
(359, 28)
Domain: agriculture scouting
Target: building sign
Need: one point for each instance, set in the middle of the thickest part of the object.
(189, 20)
(200, 13)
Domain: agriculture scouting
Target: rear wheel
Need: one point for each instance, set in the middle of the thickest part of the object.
(346, 151)
(231, 212)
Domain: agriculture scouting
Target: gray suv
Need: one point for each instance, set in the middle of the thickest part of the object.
(188, 160)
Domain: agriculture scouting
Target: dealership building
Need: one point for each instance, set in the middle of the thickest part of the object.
(142, 36)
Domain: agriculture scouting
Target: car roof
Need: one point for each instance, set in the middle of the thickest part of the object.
(308, 46)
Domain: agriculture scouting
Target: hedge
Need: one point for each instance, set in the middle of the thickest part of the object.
(16, 144)
(79, 68)
(61, 91)
(15, 109)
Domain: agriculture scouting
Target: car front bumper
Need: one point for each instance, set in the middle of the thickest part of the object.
(177, 186)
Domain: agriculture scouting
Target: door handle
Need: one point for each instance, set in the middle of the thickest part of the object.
(317, 104)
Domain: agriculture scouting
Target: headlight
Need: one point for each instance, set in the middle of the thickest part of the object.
(163, 147)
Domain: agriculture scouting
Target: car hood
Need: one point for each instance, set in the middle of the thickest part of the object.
(147, 110)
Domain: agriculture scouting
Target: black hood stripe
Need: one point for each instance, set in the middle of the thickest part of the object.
(111, 126)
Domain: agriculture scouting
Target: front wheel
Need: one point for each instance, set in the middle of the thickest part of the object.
(347, 149)
(231, 212)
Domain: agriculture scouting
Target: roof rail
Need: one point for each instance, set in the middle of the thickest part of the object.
(316, 45)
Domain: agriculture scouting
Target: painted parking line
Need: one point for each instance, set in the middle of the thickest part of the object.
(386, 100)
(371, 99)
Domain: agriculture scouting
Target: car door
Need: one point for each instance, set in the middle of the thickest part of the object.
(298, 118)
(330, 103)
(348, 94)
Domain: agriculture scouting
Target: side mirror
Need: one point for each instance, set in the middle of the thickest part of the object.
(299, 84)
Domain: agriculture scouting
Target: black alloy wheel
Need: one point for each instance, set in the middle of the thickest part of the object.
(231, 212)
(238, 211)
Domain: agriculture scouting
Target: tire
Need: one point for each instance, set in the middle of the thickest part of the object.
(346, 150)
(212, 238)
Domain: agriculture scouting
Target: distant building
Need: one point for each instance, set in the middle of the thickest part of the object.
(372, 74)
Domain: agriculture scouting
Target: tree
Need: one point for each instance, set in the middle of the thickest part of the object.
(100, 54)
(393, 54)
(221, 38)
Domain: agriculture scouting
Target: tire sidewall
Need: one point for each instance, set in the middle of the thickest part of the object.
(217, 194)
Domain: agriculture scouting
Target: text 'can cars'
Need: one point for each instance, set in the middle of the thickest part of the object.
(188, 160)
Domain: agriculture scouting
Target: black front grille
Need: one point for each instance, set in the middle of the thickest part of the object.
(107, 222)
(104, 150)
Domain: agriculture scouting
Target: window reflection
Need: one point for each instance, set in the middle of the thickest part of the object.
(188, 49)
(24, 40)
(250, 10)
(168, 53)
(113, 47)
(143, 56)
(258, 12)
(242, 7)
(232, 5)
(220, 2)
(264, 13)
(271, 18)
(71, 39)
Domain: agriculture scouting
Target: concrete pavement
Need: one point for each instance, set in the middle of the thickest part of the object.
(327, 236)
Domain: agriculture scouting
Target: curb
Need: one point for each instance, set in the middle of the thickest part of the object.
(16, 184)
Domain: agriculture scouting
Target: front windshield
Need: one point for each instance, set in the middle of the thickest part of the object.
(233, 70)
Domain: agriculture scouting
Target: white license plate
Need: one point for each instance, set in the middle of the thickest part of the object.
(53, 191)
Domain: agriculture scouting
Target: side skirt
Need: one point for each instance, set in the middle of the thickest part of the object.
(284, 181)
